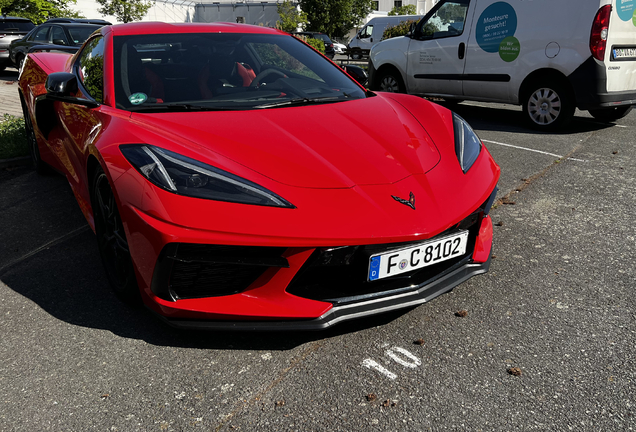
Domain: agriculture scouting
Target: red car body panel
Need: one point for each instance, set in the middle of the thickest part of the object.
(340, 177)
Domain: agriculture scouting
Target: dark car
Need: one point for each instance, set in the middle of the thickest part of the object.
(53, 35)
(11, 28)
(329, 49)
(78, 20)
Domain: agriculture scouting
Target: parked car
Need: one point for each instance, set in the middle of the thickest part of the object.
(220, 196)
(339, 48)
(51, 35)
(547, 59)
(11, 28)
(329, 48)
(78, 20)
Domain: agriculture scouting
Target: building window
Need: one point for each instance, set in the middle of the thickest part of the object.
(375, 5)
(397, 4)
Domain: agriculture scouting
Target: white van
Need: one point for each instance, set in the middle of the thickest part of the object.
(371, 33)
(548, 56)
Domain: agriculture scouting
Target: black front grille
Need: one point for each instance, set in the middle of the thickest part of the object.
(339, 275)
(188, 271)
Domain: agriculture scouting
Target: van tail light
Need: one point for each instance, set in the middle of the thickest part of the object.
(598, 37)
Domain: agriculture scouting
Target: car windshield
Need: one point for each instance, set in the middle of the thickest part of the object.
(223, 71)
(16, 26)
(79, 34)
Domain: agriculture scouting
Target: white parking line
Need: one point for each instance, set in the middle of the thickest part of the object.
(532, 150)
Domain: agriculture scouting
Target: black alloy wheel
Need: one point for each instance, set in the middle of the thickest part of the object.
(40, 166)
(111, 241)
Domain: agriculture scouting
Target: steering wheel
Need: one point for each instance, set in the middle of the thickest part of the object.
(266, 72)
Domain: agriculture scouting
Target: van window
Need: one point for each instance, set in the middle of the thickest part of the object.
(366, 32)
(447, 20)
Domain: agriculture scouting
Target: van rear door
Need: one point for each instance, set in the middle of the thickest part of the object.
(620, 55)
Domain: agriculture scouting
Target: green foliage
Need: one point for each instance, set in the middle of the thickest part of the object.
(398, 30)
(125, 10)
(290, 17)
(13, 139)
(39, 11)
(403, 10)
(317, 44)
(335, 17)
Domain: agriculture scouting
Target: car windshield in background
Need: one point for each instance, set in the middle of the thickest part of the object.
(79, 34)
(201, 71)
(16, 26)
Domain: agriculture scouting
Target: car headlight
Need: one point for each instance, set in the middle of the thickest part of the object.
(184, 176)
(467, 143)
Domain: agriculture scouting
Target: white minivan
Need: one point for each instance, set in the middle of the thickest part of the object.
(549, 56)
(372, 32)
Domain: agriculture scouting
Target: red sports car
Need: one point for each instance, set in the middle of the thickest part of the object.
(236, 178)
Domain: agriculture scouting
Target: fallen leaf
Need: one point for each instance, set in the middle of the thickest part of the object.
(515, 371)
(462, 313)
(387, 403)
(500, 223)
(615, 152)
(279, 403)
(419, 341)
(371, 397)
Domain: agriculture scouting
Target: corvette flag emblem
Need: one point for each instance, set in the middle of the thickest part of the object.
(410, 202)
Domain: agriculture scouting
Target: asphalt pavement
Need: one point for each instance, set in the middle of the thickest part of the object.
(556, 309)
(9, 100)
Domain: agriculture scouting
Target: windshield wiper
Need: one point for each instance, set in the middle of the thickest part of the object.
(175, 107)
(303, 101)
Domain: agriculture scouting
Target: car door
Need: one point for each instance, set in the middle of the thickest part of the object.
(436, 53)
(81, 125)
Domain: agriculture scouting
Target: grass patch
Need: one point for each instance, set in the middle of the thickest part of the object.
(13, 139)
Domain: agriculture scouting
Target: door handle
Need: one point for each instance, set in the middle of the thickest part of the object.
(461, 51)
(371, 39)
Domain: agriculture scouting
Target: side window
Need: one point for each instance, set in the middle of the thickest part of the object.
(57, 36)
(448, 20)
(41, 35)
(90, 68)
(366, 32)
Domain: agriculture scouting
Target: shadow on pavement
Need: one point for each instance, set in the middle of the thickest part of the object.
(502, 119)
(66, 279)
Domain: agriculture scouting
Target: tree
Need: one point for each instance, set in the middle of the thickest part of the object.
(335, 17)
(290, 17)
(39, 11)
(403, 10)
(124, 10)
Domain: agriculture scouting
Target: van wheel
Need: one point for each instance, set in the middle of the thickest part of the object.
(391, 81)
(611, 114)
(548, 107)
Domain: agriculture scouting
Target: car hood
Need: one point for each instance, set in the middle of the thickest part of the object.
(369, 141)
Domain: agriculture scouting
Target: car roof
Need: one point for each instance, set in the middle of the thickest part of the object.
(78, 20)
(141, 28)
(13, 18)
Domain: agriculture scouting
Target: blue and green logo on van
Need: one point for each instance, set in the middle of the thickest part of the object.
(495, 31)
(625, 9)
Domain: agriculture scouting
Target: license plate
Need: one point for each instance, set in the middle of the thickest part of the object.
(415, 257)
(624, 52)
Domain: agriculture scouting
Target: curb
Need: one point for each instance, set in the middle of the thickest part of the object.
(19, 161)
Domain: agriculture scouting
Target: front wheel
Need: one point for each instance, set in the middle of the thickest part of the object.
(40, 166)
(112, 242)
(611, 114)
(548, 107)
(391, 81)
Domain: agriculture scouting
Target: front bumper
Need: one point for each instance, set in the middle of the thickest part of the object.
(459, 273)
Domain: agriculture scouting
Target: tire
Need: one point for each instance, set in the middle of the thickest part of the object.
(40, 166)
(548, 107)
(112, 242)
(611, 114)
(390, 81)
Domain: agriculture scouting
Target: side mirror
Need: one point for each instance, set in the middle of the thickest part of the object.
(411, 32)
(59, 42)
(61, 84)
